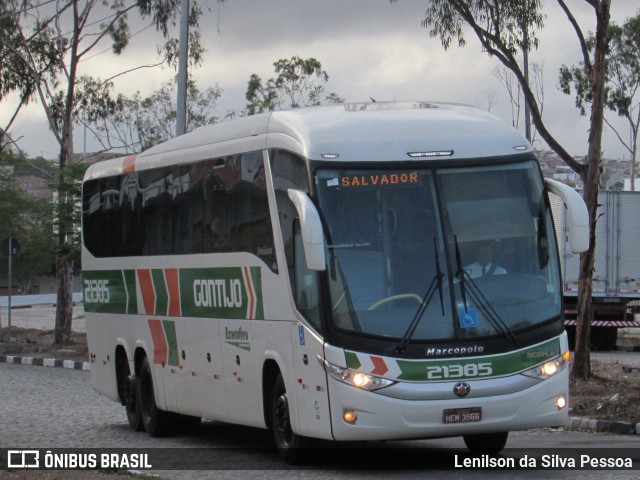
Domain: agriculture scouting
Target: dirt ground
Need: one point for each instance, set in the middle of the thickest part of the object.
(610, 394)
(613, 391)
(31, 342)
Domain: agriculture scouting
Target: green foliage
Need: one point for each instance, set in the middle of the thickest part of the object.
(504, 29)
(622, 82)
(140, 123)
(298, 83)
(25, 218)
(67, 212)
(622, 70)
(501, 25)
(43, 58)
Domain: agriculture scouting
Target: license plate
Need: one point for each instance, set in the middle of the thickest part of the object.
(461, 415)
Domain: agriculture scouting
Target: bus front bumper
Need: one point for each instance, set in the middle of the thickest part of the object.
(373, 416)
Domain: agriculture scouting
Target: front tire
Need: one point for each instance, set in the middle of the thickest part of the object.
(156, 422)
(490, 443)
(289, 444)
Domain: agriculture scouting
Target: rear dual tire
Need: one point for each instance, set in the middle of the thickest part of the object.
(143, 413)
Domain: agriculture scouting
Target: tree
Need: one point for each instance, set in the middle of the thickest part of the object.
(298, 83)
(42, 49)
(514, 90)
(622, 89)
(140, 123)
(504, 28)
(26, 218)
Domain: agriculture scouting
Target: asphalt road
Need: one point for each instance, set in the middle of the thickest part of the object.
(56, 408)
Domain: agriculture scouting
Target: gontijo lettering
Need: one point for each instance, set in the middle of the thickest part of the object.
(217, 293)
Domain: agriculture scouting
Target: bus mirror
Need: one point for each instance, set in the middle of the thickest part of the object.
(311, 229)
(577, 215)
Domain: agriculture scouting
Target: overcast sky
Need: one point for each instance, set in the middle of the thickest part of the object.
(369, 48)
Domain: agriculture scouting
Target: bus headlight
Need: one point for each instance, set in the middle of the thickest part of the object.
(355, 378)
(549, 368)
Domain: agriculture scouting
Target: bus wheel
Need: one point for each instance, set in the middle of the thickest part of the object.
(288, 443)
(156, 422)
(132, 405)
(486, 442)
(128, 393)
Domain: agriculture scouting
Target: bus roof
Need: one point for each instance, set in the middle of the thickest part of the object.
(380, 131)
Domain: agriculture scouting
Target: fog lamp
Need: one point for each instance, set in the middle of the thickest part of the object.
(349, 416)
(561, 402)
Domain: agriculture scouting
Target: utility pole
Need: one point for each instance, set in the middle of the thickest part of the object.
(183, 53)
(525, 68)
(527, 111)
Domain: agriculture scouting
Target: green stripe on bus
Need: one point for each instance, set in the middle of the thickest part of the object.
(130, 287)
(104, 291)
(220, 293)
(352, 360)
(172, 342)
(489, 366)
(160, 288)
(224, 292)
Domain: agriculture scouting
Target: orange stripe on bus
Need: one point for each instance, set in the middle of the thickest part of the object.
(173, 287)
(252, 298)
(148, 294)
(129, 164)
(159, 341)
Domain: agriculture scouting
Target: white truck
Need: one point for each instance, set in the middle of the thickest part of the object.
(616, 280)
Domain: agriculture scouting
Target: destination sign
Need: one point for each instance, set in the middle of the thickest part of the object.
(378, 179)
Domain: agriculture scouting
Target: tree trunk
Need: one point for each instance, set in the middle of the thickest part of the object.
(582, 358)
(64, 306)
(634, 156)
(591, 178)
(64, 266)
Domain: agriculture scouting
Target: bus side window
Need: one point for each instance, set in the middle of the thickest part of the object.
(306, 284)
(288, 171)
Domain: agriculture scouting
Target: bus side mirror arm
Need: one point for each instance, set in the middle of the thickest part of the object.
(311, 229)
(577, 215)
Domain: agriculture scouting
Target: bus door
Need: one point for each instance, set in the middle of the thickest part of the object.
(308, 348)
(311, 383)
(241, 377)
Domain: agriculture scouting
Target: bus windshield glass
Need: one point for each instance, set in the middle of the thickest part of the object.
(439, 254)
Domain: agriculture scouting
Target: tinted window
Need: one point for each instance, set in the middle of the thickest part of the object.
(217, 205)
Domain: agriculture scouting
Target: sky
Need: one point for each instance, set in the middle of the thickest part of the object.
(369, 48)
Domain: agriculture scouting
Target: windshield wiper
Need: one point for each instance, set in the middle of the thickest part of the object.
(460, 273)
(435, 282)
(480, 300)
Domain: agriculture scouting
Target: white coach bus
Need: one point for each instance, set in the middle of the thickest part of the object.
(314, 272)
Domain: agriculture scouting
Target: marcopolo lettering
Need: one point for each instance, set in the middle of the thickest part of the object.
(440, 352)
(218, 293)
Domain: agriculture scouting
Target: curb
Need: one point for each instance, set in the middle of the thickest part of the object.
(602, 426)
(45, 362)
(627, 348)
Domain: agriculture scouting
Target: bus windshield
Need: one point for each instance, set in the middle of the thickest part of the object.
(439, 254)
